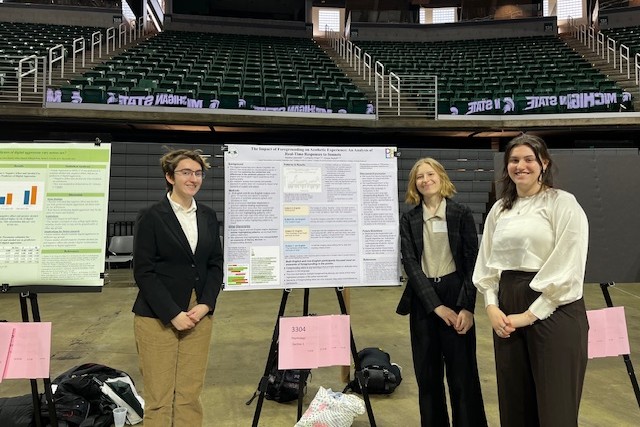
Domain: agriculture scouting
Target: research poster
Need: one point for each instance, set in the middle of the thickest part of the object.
(53, 213)
(310, 217)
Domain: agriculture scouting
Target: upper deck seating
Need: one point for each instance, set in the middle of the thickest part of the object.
(494, 68)
(238, 71)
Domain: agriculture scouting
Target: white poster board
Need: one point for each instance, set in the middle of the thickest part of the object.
(310, 217)
(53, 213)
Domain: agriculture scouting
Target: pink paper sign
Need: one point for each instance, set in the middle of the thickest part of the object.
(30, 350)
(6, 337)
(310, 342)
(607, 332)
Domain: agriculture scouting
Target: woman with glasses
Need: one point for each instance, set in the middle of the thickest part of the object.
(177, 262)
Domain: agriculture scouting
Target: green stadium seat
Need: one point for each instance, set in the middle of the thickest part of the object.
(207, 96)
(120, 90)
(338, 103)
(358, 106)
(253, 99)
(140, 91)
(228, 99)
(169, 84)
(68, 90)
(273, 100)
(94, 94)
(318, 101)
(129, 83)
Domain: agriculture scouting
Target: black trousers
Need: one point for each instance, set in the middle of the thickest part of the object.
(436, 346)
(540, 369)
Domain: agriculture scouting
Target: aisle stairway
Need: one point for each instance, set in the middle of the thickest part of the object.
(612, 73)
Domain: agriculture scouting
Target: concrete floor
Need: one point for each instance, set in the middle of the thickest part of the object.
(98, 328)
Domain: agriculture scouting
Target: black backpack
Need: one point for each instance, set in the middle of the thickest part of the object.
(79, 400)
(284, 386)
(381, 376)
(71, 410)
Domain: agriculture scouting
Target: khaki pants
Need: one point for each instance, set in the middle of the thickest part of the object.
(173, 365)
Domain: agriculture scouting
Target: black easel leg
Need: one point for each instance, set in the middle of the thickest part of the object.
(271, 358)
(354, 353)
(304, 374)
(625, 357)
(35, 312)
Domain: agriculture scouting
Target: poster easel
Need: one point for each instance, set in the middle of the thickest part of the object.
(272, 360)
(625, 357)
(30, 298)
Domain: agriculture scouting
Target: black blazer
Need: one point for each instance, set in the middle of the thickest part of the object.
(463, 240)
(165, 269)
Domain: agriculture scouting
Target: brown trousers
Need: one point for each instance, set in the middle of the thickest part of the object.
(173, 365)
(540, 369)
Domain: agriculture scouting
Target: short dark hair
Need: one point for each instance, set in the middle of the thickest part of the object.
(169, 162)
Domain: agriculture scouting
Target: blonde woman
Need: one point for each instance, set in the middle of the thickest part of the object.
(439, 245)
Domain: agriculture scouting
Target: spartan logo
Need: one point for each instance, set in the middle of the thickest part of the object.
(508, 105)
(454, 111)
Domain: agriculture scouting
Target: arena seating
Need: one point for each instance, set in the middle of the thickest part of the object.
(271, 72)
(24, 39)
(494, 68)
(628, 36)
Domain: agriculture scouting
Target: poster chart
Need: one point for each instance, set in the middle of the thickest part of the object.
(310, 217)
(53, 213)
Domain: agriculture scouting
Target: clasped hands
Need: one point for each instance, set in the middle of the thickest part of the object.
(186, 320)
(461, 322)
(504, 325)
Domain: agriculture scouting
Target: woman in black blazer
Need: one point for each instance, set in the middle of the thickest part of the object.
(177, 262)
(439, 247)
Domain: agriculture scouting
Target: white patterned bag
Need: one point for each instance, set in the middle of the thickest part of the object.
(332, 409)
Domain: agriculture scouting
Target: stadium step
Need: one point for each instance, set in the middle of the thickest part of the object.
(613, 73)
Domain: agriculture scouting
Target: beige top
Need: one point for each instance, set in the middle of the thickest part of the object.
(188, 221)
(437, 259)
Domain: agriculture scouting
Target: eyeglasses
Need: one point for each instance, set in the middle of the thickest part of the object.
(188, 173)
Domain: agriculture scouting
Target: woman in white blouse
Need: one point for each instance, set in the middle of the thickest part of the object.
(530, 269)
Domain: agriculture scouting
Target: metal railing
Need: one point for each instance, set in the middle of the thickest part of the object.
(22, 79)
(56, 54)
(96, 43)
(111, 39)
(401, 95)
(26, 79)
(412, 96)
(78, 47)
(616, 54)
(31, 63)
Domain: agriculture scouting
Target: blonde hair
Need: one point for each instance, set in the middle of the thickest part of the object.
(169, 162)
(447, 189)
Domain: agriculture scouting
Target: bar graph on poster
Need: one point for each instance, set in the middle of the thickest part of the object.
(310, 217)
(21, 196)
(53, 212)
